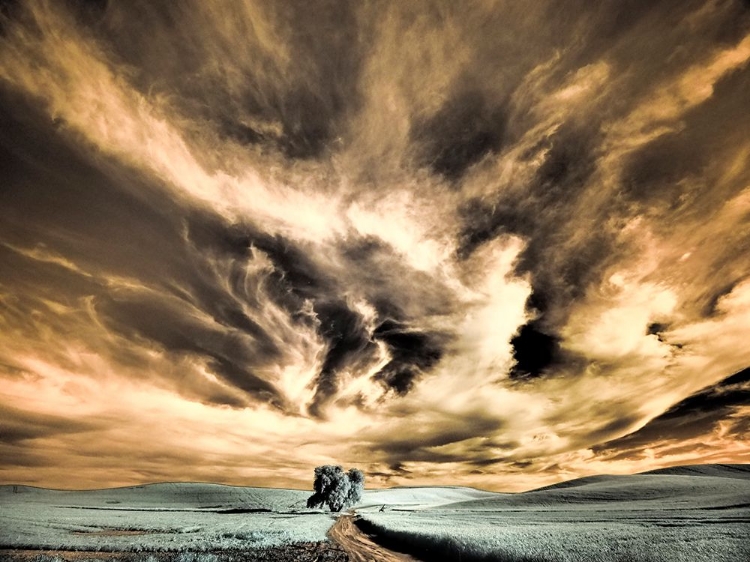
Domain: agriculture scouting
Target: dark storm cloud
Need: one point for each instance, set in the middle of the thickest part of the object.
(543, 211)
(534, 351)
(19, 425)
(348, 338)
(420, 442)
(675, 176)
(288, 85)
(97, 214)
(297, 278)
(412, 352)
(295, 275)
(696, 416)
(351, 344)
(721, 398)
(563, 264)
(150, 245)
(396, 289)
(168, 323)
(464, 130)
(540, 207)
(92, 223)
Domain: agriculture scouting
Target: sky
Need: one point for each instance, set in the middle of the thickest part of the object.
(491, 243)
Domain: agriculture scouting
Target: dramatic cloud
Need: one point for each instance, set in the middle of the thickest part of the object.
(706, 415)
(482, 243)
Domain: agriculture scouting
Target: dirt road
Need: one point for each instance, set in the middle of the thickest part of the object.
(359, 546)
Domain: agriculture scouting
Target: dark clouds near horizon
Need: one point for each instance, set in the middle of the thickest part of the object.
(474, 236)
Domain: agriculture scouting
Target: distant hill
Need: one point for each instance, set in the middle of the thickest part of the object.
(714, 470)
(172, 496)
(702, 486)
(720, 470)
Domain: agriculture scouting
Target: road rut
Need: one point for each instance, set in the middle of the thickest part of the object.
(359, 546)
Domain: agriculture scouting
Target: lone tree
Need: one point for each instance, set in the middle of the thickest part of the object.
(336, 488)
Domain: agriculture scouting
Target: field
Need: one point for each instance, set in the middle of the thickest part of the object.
(158, 518)
(677, 515)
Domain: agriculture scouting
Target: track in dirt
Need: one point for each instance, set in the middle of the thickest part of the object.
(359, 546)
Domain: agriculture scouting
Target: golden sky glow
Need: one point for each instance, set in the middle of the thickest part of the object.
(497, 244)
